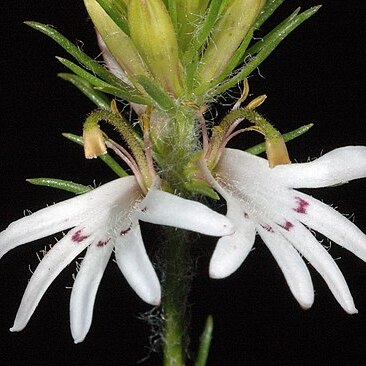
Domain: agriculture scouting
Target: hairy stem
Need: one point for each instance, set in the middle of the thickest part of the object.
(177, 279)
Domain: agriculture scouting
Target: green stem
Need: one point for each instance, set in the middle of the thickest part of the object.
(177, 278)
(205, 342)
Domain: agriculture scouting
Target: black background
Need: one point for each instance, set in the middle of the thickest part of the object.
(317, 75)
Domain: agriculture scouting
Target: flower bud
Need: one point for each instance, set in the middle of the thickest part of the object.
(118, 43)
(237, 18)
(153, 33)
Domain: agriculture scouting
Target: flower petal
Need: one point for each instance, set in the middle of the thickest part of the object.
(231, 251)
(292, 266)
(86, 286)
(314, 252)
(66, 214)
(135, 265)
(338, 166)
(61, 254)
(329, 222)
(163, 208)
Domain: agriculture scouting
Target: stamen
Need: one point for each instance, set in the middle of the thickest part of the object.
(204, 133)
(244, 94)
(256, 102)
(145, 119)
(128, 159)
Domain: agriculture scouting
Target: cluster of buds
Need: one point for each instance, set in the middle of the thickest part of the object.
(169, 60)
(177, 46)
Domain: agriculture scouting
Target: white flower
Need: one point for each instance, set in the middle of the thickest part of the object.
(262, 200)
(103, 219)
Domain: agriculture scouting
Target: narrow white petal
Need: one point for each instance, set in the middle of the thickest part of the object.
(338, 166)
(86, 286)
(61, 254)
(292, 266)
(329, 222)
(67, 214)
(320, 259)
(163, 208)
(231, 251)
(135, 265)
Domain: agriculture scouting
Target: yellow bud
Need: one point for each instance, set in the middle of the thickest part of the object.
(118, 43)
(153, 33)
(237, 18)
(94, 142)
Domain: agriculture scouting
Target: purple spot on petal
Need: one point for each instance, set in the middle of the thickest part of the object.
(78, 237)
(246, 215)
(125, 232)
(287, 225)
(301, 205)
(102, 243)
(268, 228)
(144, 209)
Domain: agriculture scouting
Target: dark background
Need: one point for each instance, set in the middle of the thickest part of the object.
(317, 75)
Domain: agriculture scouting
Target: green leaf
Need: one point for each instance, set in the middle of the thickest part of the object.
(172, 8)
(90, 78)
(260, 148)
(106, 158)
(156, 93)
(273, 41)
(267, 38)
(79, 55)
(64, 185)
(116, 13)
(85, 87)
(205, 342)
(123, 94)
(204, 31)
(267, 11)
(126, 93)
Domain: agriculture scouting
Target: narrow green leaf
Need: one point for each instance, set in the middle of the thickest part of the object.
(92, 79)
(85, 87)
(156, 93)
(123, 94)
(126, 93)
(116, 13)
(260, 148)
(172, 8)
(79, 55)
(204, 31)
(64, 185)
(106, 158)
(272, 43)
(205, 342)
(267, 11)
(253, 50)
(190, 74)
